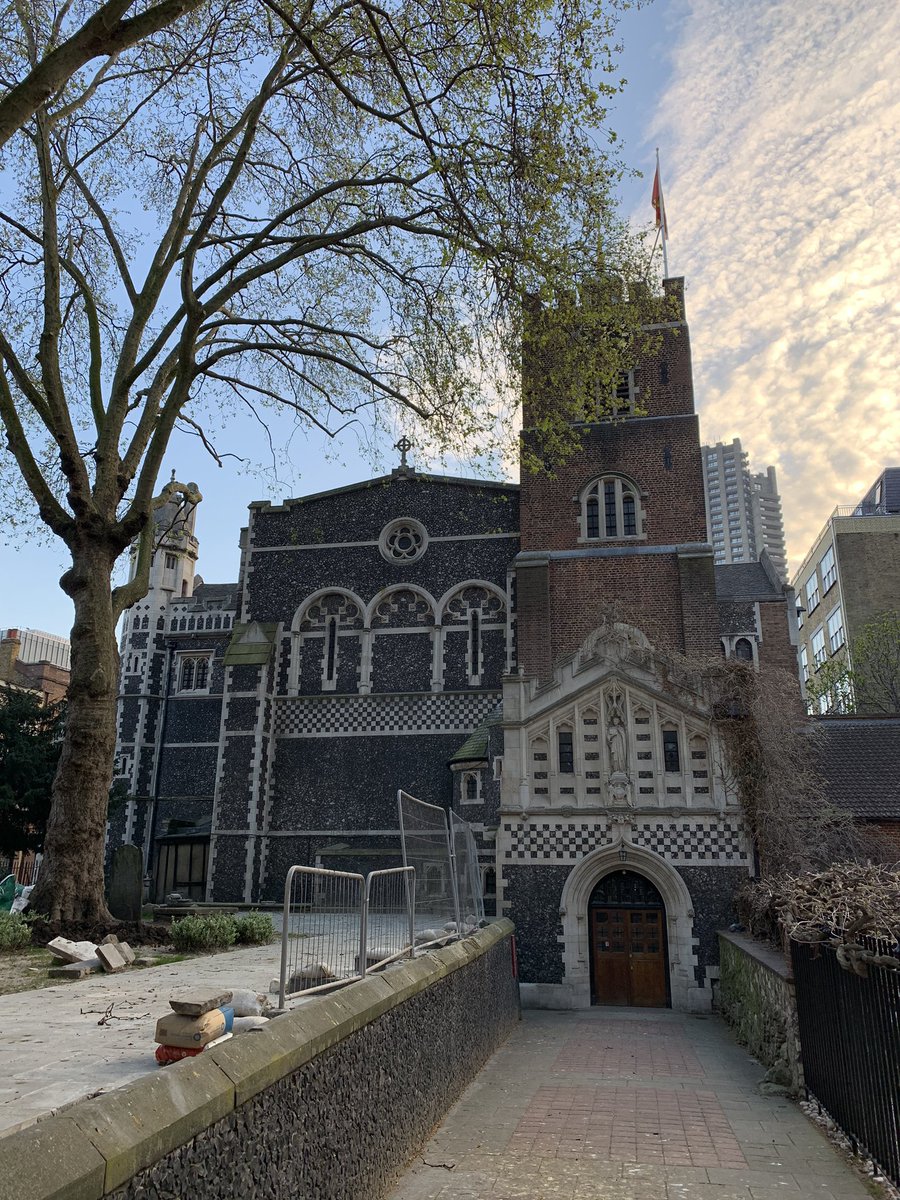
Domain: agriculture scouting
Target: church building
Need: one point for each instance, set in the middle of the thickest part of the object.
(525, 654)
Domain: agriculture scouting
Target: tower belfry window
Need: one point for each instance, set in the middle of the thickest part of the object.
(621, 515)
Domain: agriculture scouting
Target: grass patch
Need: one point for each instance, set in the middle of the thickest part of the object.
(25, 970)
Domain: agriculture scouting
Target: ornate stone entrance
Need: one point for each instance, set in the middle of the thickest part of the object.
(629, 964)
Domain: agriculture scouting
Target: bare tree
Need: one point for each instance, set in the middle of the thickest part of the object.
(322, 207)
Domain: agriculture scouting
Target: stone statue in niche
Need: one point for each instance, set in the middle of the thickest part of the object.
(616, 739)
(617, 749)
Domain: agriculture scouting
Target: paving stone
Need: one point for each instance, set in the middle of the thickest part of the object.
(622, 1105)
(126, 951)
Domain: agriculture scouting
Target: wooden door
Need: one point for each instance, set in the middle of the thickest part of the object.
(629, 958)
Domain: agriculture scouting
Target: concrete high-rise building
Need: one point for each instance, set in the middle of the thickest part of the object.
(743, 511)
(850, 576)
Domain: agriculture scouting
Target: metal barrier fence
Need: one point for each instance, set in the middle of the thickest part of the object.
(390, 915)
(850, 1045)
(426, 847)
(468, 871)
(337, 925)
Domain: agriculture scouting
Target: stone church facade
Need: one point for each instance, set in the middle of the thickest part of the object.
(520, 653)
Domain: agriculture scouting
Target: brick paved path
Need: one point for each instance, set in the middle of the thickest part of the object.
(624, 1104)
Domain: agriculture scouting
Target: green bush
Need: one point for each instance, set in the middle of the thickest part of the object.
(192, 935)
(255, 929)
(15, 931)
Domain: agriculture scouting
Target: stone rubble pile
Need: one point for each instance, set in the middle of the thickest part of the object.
(79, 959)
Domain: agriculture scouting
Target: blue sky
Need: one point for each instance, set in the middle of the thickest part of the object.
(778, 125)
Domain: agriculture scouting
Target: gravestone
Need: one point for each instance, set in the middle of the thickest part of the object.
(126, 883)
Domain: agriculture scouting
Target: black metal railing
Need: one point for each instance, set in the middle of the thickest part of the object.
(850, 1044)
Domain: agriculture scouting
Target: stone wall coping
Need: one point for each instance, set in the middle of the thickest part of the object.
(99, 1144)
(762, 952)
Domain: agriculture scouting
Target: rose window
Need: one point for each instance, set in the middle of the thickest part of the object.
(403, 541)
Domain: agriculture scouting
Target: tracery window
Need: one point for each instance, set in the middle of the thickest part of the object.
(193, 673)
(611, 508)
(327, 622)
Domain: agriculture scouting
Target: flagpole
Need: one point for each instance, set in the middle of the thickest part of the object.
(662, 218)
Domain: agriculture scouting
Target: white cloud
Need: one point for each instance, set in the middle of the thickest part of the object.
(780, 131)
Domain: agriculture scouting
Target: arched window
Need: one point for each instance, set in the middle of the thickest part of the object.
(471, 792)
(743, 650)
(474, 645)
(611, 509)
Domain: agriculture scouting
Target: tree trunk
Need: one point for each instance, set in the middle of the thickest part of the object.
(70, 886)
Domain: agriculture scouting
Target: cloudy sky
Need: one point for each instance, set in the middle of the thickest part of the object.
(781, 125)
(778, 124)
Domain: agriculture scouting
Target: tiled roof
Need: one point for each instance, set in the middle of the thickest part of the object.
(860, 760)
(475, 747)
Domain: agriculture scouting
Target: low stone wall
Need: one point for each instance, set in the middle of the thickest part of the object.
(756, 997)
(330, 1100)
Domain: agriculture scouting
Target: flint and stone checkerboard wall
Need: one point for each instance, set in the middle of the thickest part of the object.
(371, 716)
(702, 840)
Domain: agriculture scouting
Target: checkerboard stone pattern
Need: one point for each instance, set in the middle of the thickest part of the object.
(682, 840)
(410, 714)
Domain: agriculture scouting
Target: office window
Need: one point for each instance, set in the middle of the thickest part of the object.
(828, 567)
(836, 630)
(820, 654)
(804, 664)
(812, 593)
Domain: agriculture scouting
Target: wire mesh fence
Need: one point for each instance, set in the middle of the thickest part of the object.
(390, 908)
(426, 847)
(337, 925)
(323, 931)
(468, 872)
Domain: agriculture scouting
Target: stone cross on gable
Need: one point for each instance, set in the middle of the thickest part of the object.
(404, 446)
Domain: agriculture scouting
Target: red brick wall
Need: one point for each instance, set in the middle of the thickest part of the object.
(661, 456)
(775, 650)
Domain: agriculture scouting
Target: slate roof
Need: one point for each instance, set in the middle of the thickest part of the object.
(204, 593)
(860, 760)
(746, 581)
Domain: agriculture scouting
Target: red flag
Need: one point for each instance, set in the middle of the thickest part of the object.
(659, 206)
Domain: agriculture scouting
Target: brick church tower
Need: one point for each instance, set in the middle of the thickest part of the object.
(621, 838)
(620, 527)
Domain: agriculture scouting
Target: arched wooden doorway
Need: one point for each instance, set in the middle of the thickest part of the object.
(629, 957)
